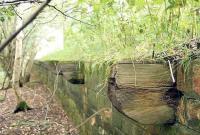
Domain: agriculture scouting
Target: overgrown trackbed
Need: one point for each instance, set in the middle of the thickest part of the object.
(46, 117)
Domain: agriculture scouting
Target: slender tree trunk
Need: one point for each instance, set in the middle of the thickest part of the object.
(17, 68)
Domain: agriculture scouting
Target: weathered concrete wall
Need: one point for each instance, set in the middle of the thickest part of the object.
(83, 100)
(142, 92)
(189, 83)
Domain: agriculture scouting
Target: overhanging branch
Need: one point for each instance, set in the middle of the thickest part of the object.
(54, 7)
(16, 2)
(11, 37)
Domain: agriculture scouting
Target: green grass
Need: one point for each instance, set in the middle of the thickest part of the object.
(96, 55)
(61, 55)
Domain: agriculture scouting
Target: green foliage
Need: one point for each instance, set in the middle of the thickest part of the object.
(128, 29)
(176, 3)
(6, 13)
(186, 64)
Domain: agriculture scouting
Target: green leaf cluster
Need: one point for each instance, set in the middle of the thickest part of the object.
(6, 13)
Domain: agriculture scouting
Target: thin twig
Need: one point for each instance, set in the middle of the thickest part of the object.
(77, 127)
(54, 7)
(16, 2)
(32, 17)
(48, 21)
(16, 12)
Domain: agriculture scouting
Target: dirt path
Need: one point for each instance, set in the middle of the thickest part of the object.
(46, 117)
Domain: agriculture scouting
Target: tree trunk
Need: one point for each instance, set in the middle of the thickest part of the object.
(17, 68)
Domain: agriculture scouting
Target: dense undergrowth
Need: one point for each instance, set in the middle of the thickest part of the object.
(138, 30)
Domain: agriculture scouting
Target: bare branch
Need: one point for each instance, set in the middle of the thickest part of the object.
(54, 7)
(9, 39)
(16, 12)
(16, 2)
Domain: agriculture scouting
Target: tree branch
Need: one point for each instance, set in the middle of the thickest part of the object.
(16, 2)
(16, 12)
(54, 7)
(9, 39)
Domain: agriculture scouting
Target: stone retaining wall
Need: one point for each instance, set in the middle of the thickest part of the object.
(81, 101)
